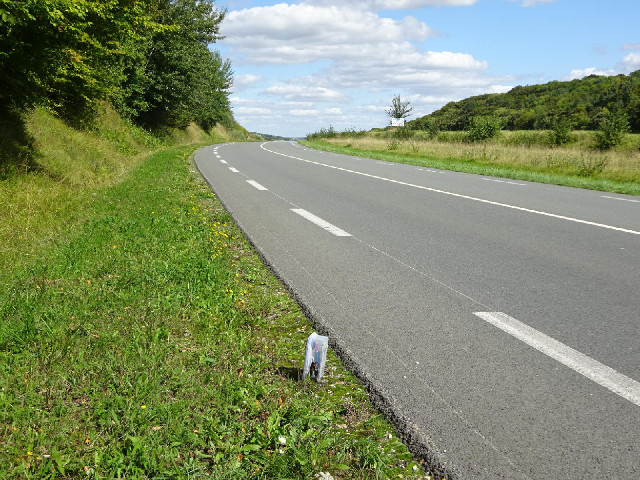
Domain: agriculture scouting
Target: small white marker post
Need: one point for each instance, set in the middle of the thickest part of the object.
(315, 357)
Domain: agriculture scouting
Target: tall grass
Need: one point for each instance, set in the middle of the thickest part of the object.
(48, 178)
(520, 155)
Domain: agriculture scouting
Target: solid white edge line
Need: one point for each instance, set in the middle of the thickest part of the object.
(592, 369)
(255, 184)
(622, 199)
(459, 195)
(234, 170)
(321, 223)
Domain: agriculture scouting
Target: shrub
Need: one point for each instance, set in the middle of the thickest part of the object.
(589, 166)
(393, 144)
(560, 133)
(403, 133)
(431, 127)
(612, 130)
(483, 128)
(323, 133)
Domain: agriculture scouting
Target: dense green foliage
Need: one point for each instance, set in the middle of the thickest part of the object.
(150, 58)
(483, 128)
(611, 131)
(578, 105)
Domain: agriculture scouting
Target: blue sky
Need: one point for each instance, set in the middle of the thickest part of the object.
(300, 66)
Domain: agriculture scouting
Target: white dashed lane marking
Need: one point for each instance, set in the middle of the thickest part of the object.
(321, 223)
(503, 181)
(622, 199)
(592, 369)
(459, 195)
(255, 184)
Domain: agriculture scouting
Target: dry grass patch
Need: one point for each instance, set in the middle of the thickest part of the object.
(614, 165)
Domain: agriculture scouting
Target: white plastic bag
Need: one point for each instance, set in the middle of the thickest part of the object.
(315, 357)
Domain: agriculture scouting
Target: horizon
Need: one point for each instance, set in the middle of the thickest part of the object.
(302, 66)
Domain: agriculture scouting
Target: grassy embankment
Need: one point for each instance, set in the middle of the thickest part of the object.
(519, 155)
(141, 336)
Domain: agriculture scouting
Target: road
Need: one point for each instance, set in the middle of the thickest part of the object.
(496, 321)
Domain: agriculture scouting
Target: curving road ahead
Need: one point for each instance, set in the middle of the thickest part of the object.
(498, 320)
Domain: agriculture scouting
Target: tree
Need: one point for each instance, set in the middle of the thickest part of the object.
(67, 54)
(149, 58)
(182, 79)
(399, 108)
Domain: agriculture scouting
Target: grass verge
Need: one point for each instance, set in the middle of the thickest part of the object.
(149, 341)
(618, 174)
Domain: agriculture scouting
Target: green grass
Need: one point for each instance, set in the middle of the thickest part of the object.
(50, 172)
(617, 172)
(147, 340)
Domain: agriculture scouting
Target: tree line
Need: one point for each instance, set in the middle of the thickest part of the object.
(149, 58)
(583, 104)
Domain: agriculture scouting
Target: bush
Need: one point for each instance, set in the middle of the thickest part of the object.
(483, 128)
(352, 133)
(402, 133)
(612, 130)
(560, 133)
(525, 138)
(431, 127)
(323, 133)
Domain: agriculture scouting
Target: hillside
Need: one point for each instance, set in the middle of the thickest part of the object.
(580, 103)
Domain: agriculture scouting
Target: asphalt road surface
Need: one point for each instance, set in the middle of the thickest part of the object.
(497, 321)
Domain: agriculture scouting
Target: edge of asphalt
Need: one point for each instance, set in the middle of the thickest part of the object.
(419, 443)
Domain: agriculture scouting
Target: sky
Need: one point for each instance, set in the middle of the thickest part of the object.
(305, 65)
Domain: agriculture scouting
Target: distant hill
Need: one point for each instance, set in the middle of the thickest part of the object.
(266, 136)
(582, 103)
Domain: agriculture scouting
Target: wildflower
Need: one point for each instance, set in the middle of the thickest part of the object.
(282, 440)
(143, 406)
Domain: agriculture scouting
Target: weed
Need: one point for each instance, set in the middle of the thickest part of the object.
(590, 166)
(393, 144)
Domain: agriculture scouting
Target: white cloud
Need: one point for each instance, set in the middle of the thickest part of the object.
(499, 88)
(631, 62)
(394, 4)
(302, 93)
(532, 3)
(631, 46)
(303, 113)
(348, 53)
(247, 111)
(581, 73)
(363, 50)
(297, 34)
(245, 80)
